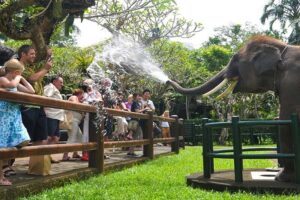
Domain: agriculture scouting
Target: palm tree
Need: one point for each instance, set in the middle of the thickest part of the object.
(286, 12)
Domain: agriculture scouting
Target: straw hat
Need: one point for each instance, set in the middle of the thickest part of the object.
(13, 64)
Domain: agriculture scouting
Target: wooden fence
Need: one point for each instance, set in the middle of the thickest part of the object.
(96, 144)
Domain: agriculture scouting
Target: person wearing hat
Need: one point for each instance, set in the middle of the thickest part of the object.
(14, 134)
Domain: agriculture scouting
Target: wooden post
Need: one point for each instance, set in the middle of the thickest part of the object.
(237, 150)
(175, 133)
(148, 134)
(96, 158)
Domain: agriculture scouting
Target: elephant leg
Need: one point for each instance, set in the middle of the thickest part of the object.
(287, 174)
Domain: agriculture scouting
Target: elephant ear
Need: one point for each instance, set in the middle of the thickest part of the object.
(266, 59)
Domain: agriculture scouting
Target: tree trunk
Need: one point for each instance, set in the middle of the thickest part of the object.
(39, 26)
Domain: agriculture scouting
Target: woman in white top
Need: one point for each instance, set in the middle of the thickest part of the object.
(75, 134)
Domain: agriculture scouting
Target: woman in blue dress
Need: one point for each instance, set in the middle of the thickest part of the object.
(12, 131)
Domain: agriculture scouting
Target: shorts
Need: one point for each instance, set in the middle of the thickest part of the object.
(53, 127)
(35, 121)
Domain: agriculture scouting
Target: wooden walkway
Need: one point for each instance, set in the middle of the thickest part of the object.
(65, 171)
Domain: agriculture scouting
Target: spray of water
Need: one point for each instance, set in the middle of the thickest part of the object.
(133, 58)
(95, 71)
(101, 83)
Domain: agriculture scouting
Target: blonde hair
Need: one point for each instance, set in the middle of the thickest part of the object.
(13, 65)
(166, 113)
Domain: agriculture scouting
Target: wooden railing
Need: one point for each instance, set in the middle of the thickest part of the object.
(96, 144)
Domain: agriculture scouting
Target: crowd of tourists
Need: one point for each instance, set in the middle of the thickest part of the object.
(38, 125)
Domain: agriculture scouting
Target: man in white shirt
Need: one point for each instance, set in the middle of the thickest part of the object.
(54, 115)
(146, 105)
(146, 102)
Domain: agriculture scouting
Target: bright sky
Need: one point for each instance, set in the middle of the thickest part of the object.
(211, 13)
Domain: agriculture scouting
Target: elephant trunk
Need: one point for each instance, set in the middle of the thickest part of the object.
(204, 88)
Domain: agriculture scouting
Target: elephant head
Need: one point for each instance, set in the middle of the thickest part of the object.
(252, 69)
(263, 64)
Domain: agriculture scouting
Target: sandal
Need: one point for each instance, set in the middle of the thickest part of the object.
(66, 158)
(5, 182)
(55, 161)
(7, 171)
(76, 156)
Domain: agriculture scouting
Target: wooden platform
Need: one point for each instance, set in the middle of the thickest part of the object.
(65, 172)
(256, 181)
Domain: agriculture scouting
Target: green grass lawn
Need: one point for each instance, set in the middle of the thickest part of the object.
(163, 178)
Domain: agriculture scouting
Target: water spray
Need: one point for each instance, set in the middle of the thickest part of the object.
(133, 58)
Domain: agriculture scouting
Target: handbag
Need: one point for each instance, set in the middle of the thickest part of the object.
(67, 123)
(39, 165)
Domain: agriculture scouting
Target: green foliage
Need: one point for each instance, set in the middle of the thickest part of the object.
(68, 24)
(21, 19)
(15, 44)
(57, 9)
(262, 106)
(61, 39)
(163, 178)
(213, 57)
(71, 63)
(232, 36)
(5, 3)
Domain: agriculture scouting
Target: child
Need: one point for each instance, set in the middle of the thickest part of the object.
(14, 134)
(165, 127)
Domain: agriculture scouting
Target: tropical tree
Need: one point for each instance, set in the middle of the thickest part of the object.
(232, 36)
(36, 20)
(287, 14)
(144, 20)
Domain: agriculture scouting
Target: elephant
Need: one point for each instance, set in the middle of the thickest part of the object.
(262, 64)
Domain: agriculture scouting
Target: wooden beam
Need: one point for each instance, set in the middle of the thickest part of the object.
(7, 153)
(126, 143)
(165, 119)
(31, 99)
(164, 140)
